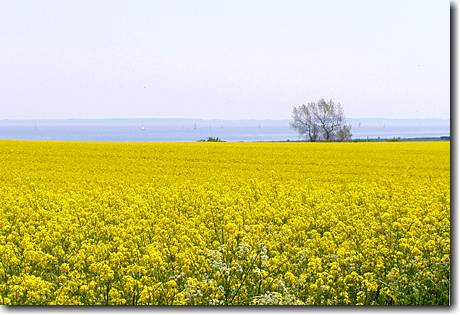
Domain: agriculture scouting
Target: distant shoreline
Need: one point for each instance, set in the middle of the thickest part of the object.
(416, 139)
(394, 139)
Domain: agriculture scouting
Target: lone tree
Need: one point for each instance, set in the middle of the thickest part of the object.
(321, 121)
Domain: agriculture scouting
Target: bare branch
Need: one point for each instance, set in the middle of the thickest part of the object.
(321, 121)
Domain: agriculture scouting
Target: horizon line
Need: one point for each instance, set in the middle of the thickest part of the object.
(202, 119)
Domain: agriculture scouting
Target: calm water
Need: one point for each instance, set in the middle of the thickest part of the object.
(193, 130)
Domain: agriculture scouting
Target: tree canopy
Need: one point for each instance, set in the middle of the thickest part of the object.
(321, 121)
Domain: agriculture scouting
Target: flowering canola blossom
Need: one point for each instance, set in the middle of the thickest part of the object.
(224, 223)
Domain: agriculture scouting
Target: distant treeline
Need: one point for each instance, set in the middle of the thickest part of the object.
(394, 139)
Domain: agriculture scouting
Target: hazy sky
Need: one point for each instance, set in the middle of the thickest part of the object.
(222, 59)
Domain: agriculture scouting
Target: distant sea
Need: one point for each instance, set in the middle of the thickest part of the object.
(175, 130)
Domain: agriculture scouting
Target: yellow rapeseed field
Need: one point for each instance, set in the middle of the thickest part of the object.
(224, 223)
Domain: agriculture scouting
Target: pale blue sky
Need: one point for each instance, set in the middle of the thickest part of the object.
(222, 59)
